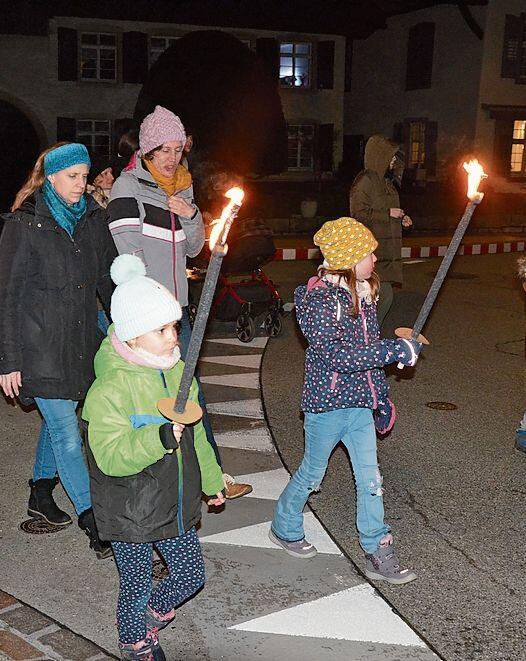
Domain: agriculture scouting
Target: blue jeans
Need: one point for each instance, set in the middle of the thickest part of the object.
(59, 449)
(354, 427)
(187, 574)
(185, 333)
(102, 321)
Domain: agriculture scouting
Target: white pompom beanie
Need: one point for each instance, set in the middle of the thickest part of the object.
(139, 304)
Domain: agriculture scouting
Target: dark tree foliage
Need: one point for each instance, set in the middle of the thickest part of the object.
(227, 100)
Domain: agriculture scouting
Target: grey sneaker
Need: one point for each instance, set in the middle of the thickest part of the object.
(383, 565)
(299, 549)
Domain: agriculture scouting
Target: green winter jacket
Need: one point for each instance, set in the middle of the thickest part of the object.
(372, 195)
(141, 491)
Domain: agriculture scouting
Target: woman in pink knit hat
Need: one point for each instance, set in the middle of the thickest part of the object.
(152, 214)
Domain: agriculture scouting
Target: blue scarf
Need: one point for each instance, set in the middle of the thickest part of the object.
(66, 215)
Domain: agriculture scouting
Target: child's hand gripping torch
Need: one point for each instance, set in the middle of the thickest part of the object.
(475, 175)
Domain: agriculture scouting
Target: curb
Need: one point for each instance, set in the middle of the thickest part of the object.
(297, 254)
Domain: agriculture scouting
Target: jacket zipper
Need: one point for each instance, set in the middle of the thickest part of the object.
(179, 454)
(369, 375)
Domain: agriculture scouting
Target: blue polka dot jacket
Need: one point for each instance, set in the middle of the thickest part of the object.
(345, 356)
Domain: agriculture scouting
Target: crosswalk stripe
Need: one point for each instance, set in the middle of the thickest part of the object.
(244, 408)
(259, 342)
(249, 360)
(258, 439)
(247, 380)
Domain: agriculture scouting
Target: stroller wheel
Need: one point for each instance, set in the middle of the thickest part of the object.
(192, 311)
(245, 328)
(273, 325)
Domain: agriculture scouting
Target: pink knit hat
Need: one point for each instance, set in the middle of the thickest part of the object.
(159, 127)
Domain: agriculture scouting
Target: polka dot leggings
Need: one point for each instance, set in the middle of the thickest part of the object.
(134, 561)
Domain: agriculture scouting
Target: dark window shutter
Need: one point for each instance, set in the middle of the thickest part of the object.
(502, 145)
(420, 48)
(348, 64)
(511, 46)
(325, 65)
(398, 133)
(67, 54)
(325, 147)
(267, 49)
(134, 57)
(430, 160)
(66, 129)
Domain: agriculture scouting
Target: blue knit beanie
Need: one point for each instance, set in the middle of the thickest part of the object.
(66, 156)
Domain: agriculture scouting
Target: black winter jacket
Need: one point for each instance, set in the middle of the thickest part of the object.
(48, 303)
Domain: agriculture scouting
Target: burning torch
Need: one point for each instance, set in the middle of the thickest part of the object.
(180, 409)
(475, 175)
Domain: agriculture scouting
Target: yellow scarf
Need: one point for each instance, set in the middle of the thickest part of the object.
(182, 179)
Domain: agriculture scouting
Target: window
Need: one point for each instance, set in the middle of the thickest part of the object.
(416, 155)
(514, 49)
(95, 134)
(294, 65)
(517, 162)
(158, 45)
(98, 56)
(420, 48)
(300, 146)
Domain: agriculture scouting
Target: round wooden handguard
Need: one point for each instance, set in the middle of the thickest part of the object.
(405, 333)
(192, 411)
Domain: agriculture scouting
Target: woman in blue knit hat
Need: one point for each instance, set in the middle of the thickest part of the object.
(55, 255)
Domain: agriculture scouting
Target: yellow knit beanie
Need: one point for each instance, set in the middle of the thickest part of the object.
(344, 242)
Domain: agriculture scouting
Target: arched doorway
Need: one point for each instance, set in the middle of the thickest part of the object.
(20, 148)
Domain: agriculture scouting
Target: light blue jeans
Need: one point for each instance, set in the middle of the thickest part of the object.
(354, 427)
(59, 449)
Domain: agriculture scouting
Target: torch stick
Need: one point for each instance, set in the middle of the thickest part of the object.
(475, 175)
(181, 410)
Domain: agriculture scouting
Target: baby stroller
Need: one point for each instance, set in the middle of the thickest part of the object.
(240, 298)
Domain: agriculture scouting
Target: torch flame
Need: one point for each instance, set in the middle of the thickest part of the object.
(475, 175)
(236, 196)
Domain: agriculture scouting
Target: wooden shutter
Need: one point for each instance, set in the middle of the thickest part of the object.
(420, 49)
(325, 156)
(349, 45)
(398, 133)
(511, 46)
(502, 145)
(430, 160)
(325, 62)
(66, 129)
(267, 49)
(67, 65)
(134, 57)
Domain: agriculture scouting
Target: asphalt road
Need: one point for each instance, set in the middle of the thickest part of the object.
(455, 487)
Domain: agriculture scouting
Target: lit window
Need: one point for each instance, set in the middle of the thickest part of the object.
(95, 134)
(294, 65)
(517, 164)
(300, 146)
(98, 56)
(158, 45)
(417, 144)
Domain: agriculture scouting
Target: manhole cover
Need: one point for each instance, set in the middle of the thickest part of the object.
(442, 406)
(39, 527)
(160, 570)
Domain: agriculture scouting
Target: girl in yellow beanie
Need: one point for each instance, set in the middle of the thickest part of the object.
(345, 393)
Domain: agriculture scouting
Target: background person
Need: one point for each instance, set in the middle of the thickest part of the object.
(55, 254)
(375, 202)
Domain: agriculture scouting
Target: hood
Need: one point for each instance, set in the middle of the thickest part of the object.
(35, 204)
(315, 287)
(108, 360)
(379, 152)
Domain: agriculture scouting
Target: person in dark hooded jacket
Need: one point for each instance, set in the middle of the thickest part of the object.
(375, 202)
(55, 256)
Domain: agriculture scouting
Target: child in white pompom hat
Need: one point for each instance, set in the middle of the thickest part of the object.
(147, 473)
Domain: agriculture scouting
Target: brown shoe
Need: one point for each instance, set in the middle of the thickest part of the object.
(233, 489)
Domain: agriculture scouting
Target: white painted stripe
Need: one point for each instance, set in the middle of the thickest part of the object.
(248, 360)
(414, 261)
(155, 232)
(313, 253)
(244, 408)
(520, 245)
(115, 224)
(249, 380)
(257, 536)
(288, 307)
(492, 248)
(257, 439)
(507, 247)
(442, 250)
(406, 252)
(424, 252)
(289, 253)
(267, 485)
(475, 250)
(357, 613)
(259, 342)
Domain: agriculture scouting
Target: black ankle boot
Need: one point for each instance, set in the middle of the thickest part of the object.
(41, 504)
(87, 523)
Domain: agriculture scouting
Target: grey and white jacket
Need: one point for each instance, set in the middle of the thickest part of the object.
(141, 224)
